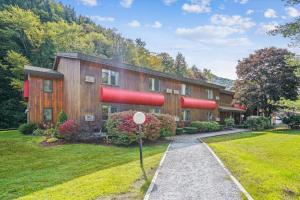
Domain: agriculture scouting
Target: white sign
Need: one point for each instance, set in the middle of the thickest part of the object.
(139, 118)
(169, 91)
(89, 79)
(176, 91)
(217, 98)
(89, 118)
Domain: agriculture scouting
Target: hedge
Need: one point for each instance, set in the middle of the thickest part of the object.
(167, 125)
(258, 123)
(203, 126)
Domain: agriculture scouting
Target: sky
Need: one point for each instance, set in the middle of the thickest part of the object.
(211, 34)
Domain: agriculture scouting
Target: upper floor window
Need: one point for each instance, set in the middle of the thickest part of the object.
(110, 77)
(47, 85)
(47, 114)
(107, 110)
(155, 110)
(186, 115)
(185, 90)
(210, 94)
(154, 84)
(209, 116)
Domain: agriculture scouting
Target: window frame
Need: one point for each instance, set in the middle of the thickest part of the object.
(44, 118)
(154, 110)
(151, 84)
(210, 93)
(109, 111)
(186, 115)
(187, 90)
(209, 116)
(51, 85)
(110, 74)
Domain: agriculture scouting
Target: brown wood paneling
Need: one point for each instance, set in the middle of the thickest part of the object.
(226, 99)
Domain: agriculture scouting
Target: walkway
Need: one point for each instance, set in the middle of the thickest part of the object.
(189, 171)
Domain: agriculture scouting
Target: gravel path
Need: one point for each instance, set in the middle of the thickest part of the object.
(189, 171)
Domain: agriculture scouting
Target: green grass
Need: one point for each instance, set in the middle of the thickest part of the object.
(84, 171)
(266, 163)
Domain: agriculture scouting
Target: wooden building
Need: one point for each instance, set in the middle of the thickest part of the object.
(89, 88)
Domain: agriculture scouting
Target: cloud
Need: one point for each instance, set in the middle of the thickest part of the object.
(89, 2)
(126, 3)
(270, 13)
(169, 2)
(292, 12)
(241, 1)
(134, 24)
(249, 12)
(156, 24)
(197, 6)
(102, 19)
(234, 21)
(264, 28)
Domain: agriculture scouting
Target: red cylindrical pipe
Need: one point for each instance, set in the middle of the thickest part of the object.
(187, 102)
(115, 95)
(26, 89)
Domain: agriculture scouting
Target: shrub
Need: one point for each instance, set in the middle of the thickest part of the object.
(179, 131)
(62, 117)
(190, 130)
(68, 129)
(38, 132)
(50, 132)
(292, 121)
(257, 123)
(27, 128)
(229, 122)
(206, 126)
(122, 129)
(168, 125)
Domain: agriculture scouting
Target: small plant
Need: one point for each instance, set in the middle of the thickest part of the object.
(258, 123)
(62, 117)
(190, 130)
(27, 128)
(68, 129)
(179, 131)
(50, 132)
(229, 122)
(38, 132)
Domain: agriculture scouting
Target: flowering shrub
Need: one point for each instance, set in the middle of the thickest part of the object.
(68, 129)
(168, 125)
(122, 129)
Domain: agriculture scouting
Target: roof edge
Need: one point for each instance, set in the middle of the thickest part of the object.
(43, 72)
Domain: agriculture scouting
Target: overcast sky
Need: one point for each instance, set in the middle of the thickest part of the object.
(213, 34)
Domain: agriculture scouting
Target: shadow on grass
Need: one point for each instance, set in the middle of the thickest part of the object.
(287, 131)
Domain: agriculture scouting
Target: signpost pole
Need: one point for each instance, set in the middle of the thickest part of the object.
(141, 145)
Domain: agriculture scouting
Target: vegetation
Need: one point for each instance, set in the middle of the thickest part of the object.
(27, 128)
(265, 77)
(167, 125)
(190, 130)
(229, 122)
(85, 171)
(206, 126)
(266, 163)
(179, 131)
(68, 129)
(258, 123)
(292, 121)
(62, 117)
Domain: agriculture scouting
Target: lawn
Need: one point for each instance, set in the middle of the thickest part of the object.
(266, 163)
(29, 170)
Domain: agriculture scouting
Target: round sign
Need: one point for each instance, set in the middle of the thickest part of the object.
(139, 118)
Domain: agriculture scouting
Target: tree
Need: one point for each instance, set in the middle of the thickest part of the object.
(208, 74)
(196, 73)
(167, 62)
(180, 65)
(264, 78)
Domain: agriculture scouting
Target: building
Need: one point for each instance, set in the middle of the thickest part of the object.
(89, 88)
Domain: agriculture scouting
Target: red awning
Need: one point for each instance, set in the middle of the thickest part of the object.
(26, 89)
(116, 95)
(187, 102)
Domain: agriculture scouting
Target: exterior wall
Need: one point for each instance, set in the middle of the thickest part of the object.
(226, 99)
(38, 99)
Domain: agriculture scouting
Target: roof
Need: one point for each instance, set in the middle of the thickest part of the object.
(226, 92)
(43, 72)
(115, 63)
(232, 109)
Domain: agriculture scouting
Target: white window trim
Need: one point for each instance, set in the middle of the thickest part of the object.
(184, 115)
(110, 72)
(210, 94)
(152, 80)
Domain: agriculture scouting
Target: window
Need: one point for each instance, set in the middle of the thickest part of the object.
(47, 114)
(154, 84)
(185, 90)
(210, 94)
(209, 116)
(48, 85)
(110, 77)
(186, 115)
(107, 110)
(155, 110)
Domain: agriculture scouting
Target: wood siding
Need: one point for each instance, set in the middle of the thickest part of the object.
(226, 99)
(39, 100)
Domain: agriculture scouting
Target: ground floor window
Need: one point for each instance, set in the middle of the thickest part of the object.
(155, 110)
(186, 115)
(209, 116)
(107, 110)
(47, 115)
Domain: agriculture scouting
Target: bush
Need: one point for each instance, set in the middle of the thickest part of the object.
(179, 131)
(62, 117)
(206, 126)
(190, 130)
(257, 123)
(292, 121)
(168, 125)
(38, 132)
(50, 132)
(68, 129)
(229, 122)
(123, 131)
(27, 128)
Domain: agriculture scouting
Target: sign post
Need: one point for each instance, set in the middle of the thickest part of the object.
(139, 118)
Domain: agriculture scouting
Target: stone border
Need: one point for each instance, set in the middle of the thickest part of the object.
(237, 183)
(147, 195)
